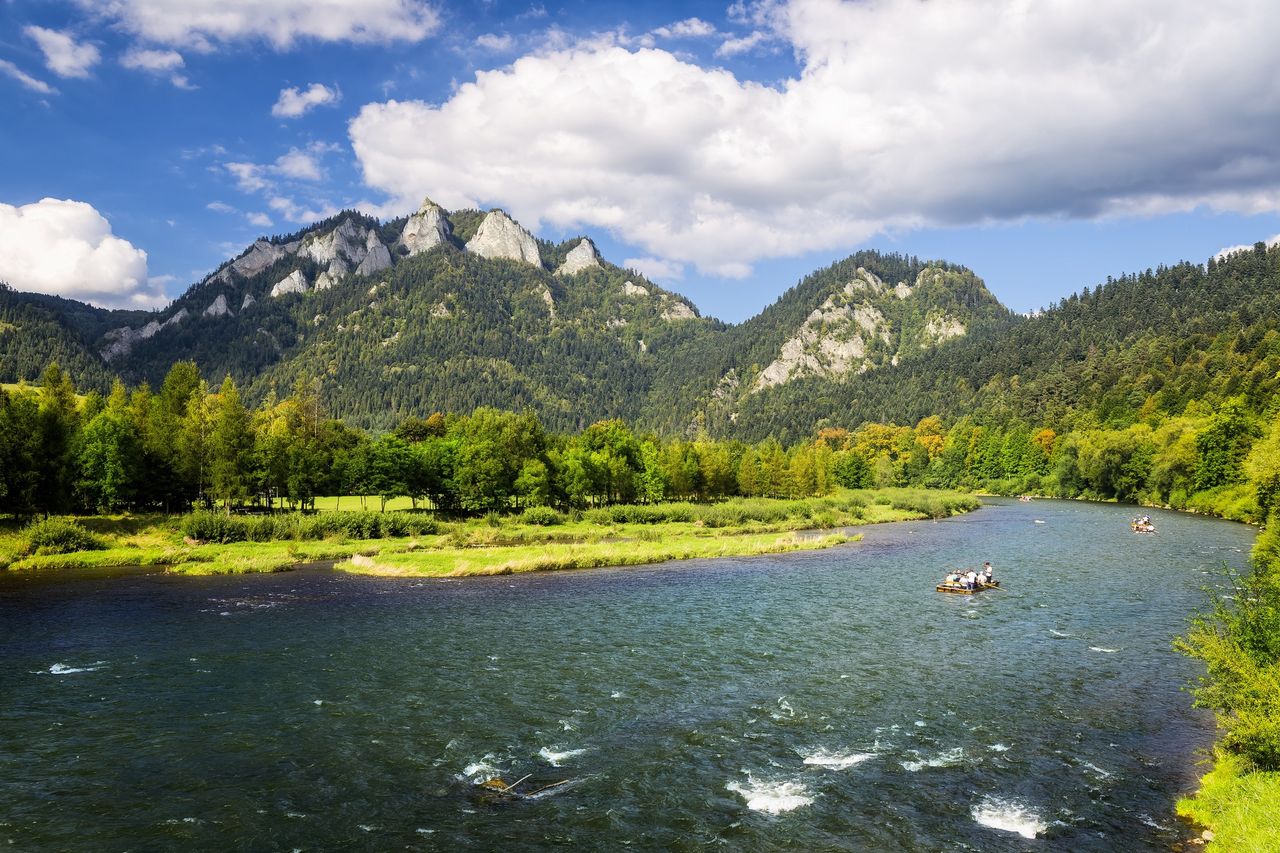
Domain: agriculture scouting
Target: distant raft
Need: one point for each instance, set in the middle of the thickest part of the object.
(1143, 528)
(959, 589)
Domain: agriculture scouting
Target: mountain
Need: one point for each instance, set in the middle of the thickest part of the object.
(840, 325)
(36, 329)
(449, 310)
(434, 311)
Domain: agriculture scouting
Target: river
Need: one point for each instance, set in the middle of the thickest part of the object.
(826, 700)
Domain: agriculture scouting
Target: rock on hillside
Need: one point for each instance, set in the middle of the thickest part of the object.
(859, 328)
(582, 257)
(499, 236)
(294, 282)
(119, 342)
(425, 229)
(218, 307)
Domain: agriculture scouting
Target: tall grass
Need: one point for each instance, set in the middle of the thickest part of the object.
(205, 526)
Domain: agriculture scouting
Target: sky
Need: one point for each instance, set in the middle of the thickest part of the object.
(724, 150)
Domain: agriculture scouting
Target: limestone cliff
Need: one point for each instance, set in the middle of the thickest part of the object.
(499, 236)
(582, 257)
(425, 229)
(294, 282)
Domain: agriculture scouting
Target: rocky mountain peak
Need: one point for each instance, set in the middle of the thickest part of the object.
(425, 229)
(582, 257)
(500, 236)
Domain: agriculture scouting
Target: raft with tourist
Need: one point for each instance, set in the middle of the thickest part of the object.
(969, 581)
(1143, 525)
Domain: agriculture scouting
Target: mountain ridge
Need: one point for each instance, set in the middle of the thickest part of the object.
(552, 326)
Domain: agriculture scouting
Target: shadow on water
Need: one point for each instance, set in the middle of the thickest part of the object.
(826, 700)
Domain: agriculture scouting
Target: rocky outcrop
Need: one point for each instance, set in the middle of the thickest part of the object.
(324, 281)
(376, 259)
(629, 289)
(218, 307)
(246, 302)
(425, 229)
(833, 341)
(261, 255)
(545, 293)
(943, 328)
(674, 309)
(581, 257)
(345, 241)
(120, 341)
(346, 247)
(294, 282)
(499, 236)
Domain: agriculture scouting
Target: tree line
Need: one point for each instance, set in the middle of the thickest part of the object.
(186, 444)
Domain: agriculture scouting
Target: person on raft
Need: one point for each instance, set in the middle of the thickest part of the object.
(988, 574)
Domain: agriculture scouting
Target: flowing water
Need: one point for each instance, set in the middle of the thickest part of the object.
(815, 701)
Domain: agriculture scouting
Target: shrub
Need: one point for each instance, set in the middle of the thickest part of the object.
(543, 516)
(59, 536)
(209, 526)
(601, 516)
(368, 524)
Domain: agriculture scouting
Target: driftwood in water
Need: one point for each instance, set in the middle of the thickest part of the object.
(500, 787)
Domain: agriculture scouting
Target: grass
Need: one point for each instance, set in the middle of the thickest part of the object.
(619, 535)
(1238, 806)
(461, 562)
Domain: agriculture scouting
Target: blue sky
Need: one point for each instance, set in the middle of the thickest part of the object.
(725, 150)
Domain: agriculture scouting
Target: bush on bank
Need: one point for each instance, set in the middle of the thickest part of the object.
(58, 536)
(208, 526)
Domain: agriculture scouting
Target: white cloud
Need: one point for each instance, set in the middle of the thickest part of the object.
(63, 55)
(292, 211)
(200, 24)
(11, 70)
(688, 28)
(249, 176)
(292, 103)
(903, 114)
(289, 175)
(733, 46)
(254, 218)
(156, 61)
(1231, 250)
(496, 43)
(656, 269)
(299, 165)
(66, 248)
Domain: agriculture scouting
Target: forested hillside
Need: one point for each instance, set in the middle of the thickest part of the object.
(448, 311)
(36, 330)
(1137, 346)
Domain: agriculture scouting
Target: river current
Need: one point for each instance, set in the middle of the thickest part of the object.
(814, 701)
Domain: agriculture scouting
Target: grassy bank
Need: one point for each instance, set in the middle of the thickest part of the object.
(1238, 804)
(1238, 639)
(401, 543)
(553, 556)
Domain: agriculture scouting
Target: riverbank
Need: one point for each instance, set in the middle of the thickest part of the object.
(531, 541)
(1239, 641)
(555, 556)
(1237, 804)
